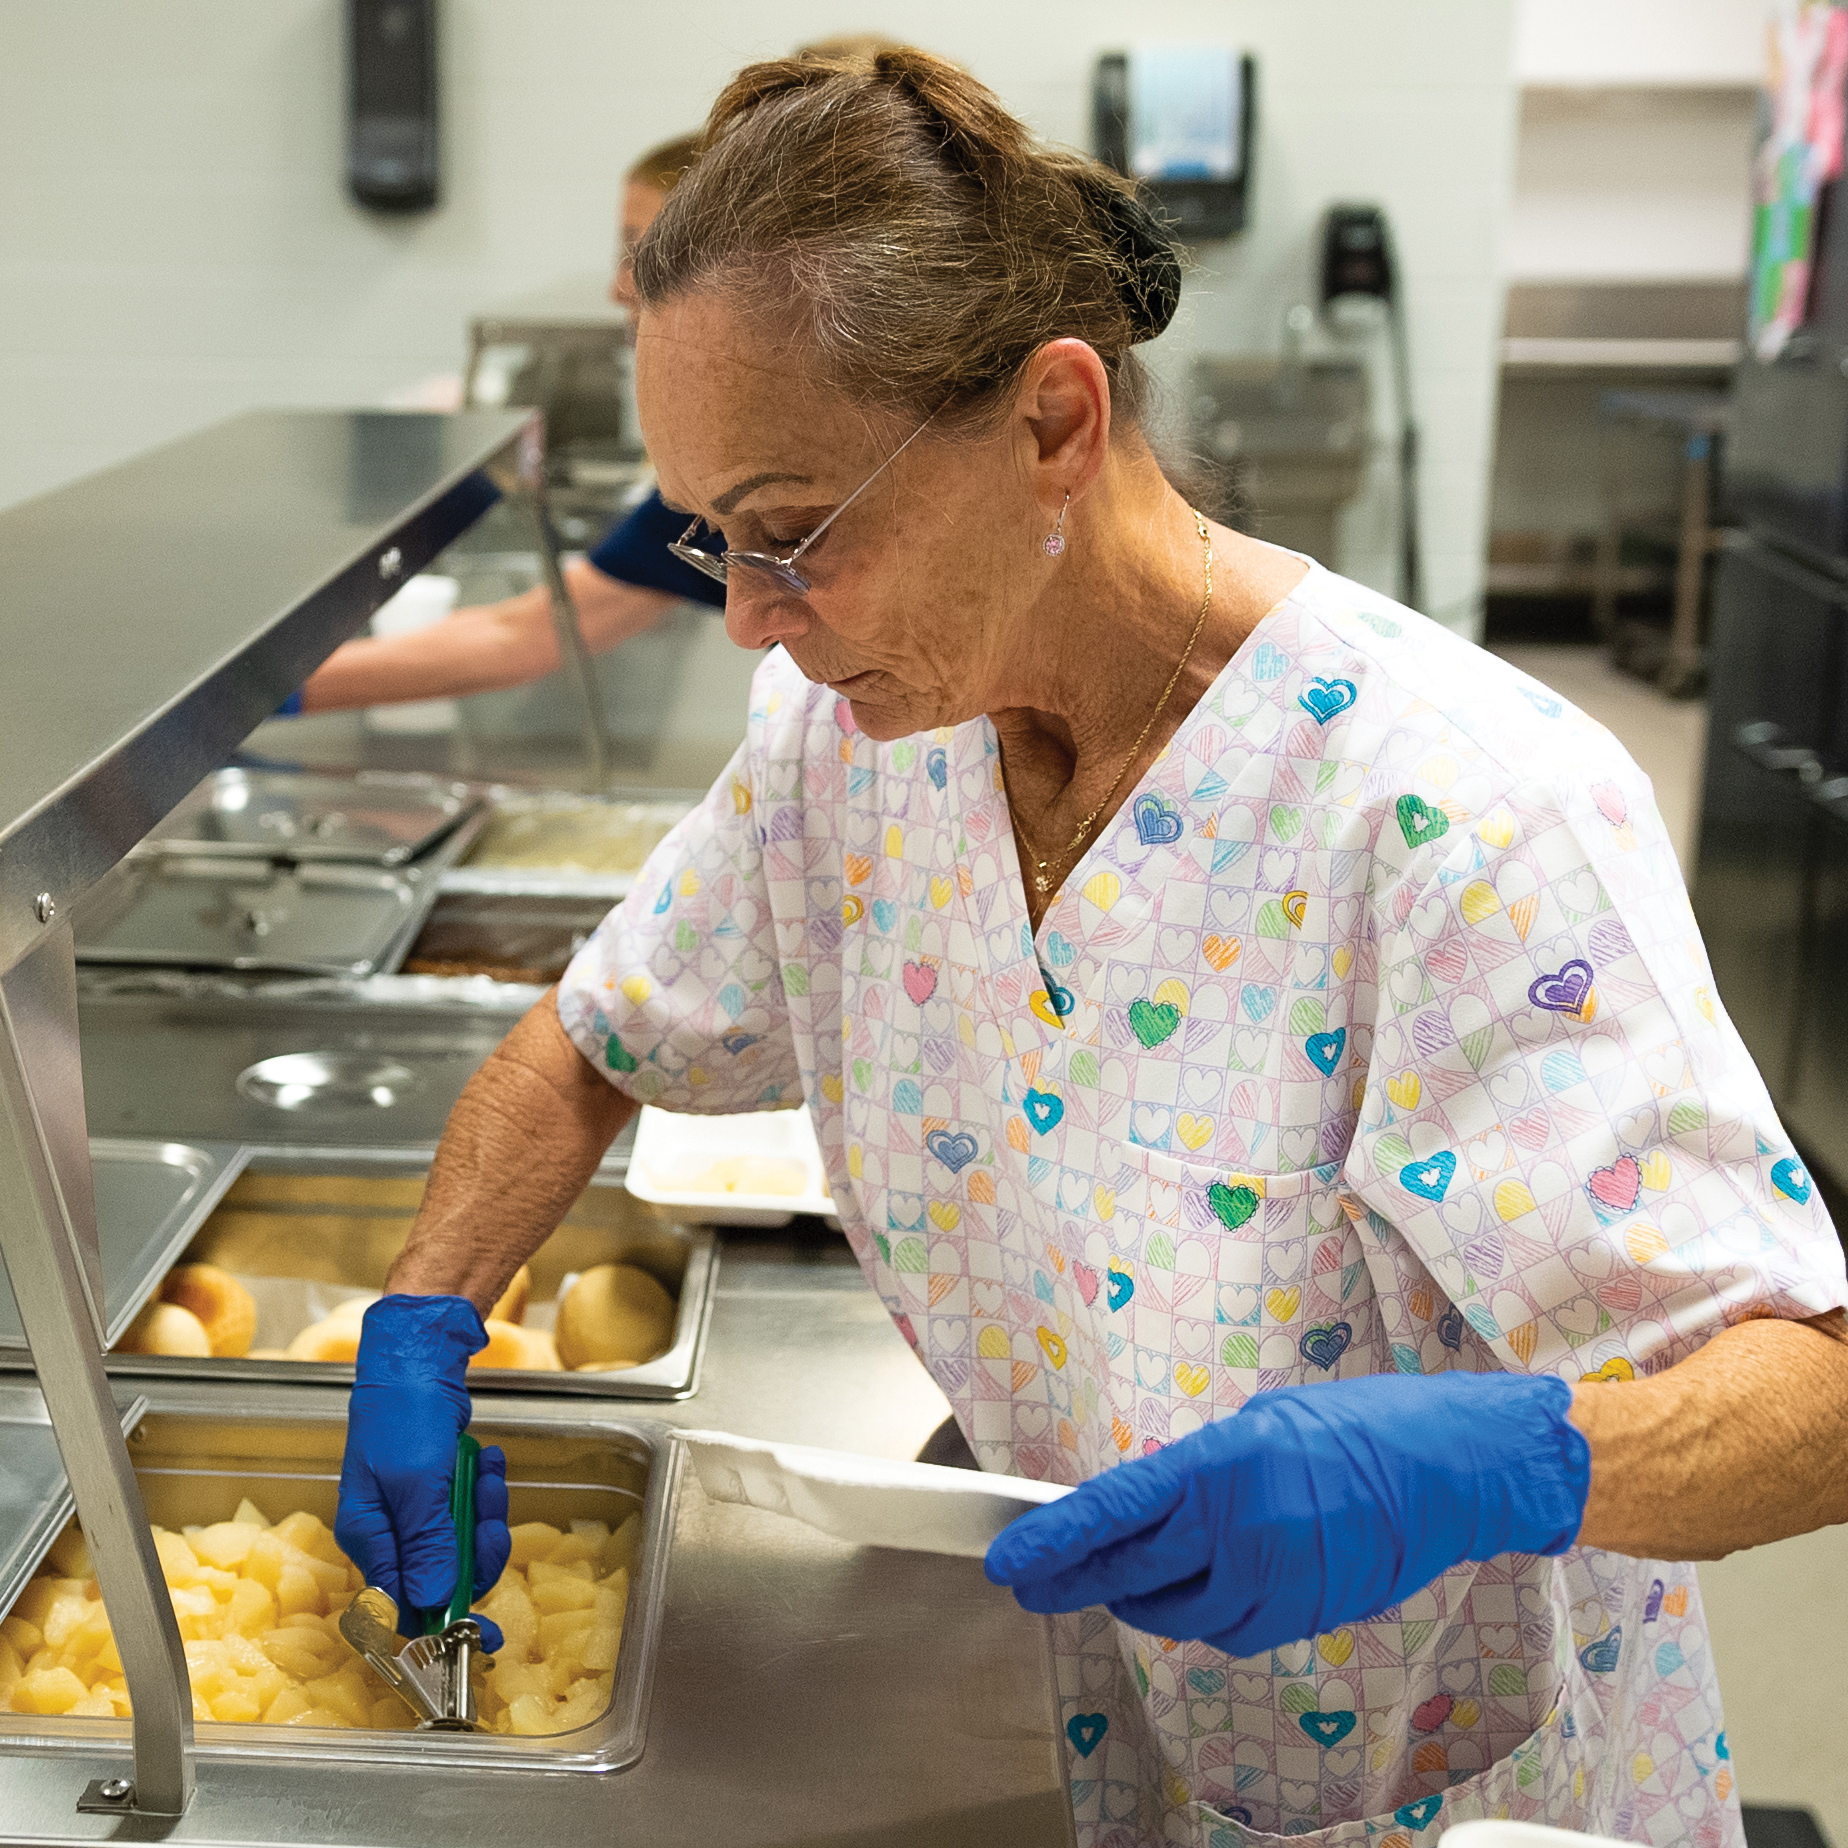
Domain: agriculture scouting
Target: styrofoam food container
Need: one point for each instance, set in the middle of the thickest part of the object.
(1489, 1833)
(671, 1149)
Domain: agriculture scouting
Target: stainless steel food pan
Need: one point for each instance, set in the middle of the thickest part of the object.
(195, 1464)
(302, 1232)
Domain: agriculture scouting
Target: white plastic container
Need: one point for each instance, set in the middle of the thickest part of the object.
(1488, 1833)
(426, 599)
(675, 1153)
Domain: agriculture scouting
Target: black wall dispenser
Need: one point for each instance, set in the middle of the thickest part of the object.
(391, 104)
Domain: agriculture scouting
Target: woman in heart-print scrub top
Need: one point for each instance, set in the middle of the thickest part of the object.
(1261, 1045)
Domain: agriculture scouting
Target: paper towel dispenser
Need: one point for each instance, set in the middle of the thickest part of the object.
(1178, 119)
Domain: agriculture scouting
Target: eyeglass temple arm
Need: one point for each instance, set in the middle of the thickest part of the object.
(861, 489)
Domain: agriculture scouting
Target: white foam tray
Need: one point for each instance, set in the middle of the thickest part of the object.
(666, 1141)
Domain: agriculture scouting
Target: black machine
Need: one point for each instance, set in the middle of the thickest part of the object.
(1358, 260)
(391, 104)
(1198, 209)
(1771, 884)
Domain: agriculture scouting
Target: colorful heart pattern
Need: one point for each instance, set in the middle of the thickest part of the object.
(1429, 1179)
(1347, 1048)
(1158, 823)
(1325, 699)
(1567, 990)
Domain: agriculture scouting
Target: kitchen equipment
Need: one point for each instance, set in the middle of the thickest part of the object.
(304, 1233)
(304, 874)
(109, 728)
(867, 1501)
(195, 1460)
(677, 1154)
(431, 1673)
(1289, 437)
(375, 818)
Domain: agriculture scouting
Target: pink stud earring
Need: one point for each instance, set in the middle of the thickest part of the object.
(1055, 540)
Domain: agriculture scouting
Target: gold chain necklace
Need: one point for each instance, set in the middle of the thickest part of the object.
(1043, 875)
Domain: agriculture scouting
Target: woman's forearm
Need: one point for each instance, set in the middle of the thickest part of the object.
(522, 1143)
(482, 649)
(1744, 1442)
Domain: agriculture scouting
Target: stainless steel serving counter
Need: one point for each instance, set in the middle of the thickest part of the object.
(804, 1691)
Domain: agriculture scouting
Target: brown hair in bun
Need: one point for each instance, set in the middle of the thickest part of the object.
(928, 241)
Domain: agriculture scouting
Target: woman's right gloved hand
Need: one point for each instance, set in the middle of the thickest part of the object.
(410, 1404)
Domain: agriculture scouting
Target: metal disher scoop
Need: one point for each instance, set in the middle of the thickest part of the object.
(432, 1673)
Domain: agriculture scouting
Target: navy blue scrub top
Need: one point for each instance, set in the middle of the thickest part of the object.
(635, 552)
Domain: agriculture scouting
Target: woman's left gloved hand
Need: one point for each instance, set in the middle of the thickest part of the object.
(1314, 1506)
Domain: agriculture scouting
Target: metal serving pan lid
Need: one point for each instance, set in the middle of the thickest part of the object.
(211, 914)
(373, 818)
(151, 1197)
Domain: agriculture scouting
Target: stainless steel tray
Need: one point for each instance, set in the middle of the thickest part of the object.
(375, 818)
(150, 1199)
(35, 1498)
(196, 1455)
(187, 911)
(329, 1224)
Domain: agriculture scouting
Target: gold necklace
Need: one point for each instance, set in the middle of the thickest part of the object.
(1042, 877)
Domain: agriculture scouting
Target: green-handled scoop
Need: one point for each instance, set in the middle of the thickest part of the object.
(431, 1673)
(462, 1515)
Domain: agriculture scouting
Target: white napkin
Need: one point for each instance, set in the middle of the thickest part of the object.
(868, 1501)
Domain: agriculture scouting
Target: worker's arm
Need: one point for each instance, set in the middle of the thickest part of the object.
(1743, 1442)
(1322, 1505)
(480, 649)
(521, 1144)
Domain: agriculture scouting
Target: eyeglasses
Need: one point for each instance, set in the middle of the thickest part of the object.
(783, 570)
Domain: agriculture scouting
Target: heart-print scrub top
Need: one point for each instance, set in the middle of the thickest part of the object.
(1373, 1034)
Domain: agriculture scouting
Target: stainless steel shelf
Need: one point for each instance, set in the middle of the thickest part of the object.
(250, 550)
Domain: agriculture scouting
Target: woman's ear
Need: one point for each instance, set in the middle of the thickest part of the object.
(1064, 413)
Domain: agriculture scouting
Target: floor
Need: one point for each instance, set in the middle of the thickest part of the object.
(1778, 1615)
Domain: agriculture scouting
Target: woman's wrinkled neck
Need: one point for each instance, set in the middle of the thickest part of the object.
(1087, 664)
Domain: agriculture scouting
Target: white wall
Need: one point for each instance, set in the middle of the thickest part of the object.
(1632, 183)
(1640, 41)
(175, 244)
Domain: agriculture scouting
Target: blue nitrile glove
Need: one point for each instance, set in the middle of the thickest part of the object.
(1314, 1506)
(410, 1404)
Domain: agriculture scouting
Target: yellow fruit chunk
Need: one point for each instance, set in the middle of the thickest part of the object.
(582, 1704)
(290, 1704)
(225, 1544)
(252, 1608)
(62, 1619)
(562, 1594)
(320, 1716)
(532, 1540)
(345, 1692)
(96, 1704)
(310, 1533)
(179, 1564)
(296, 1590)
(532, 1715)
(236, 1705)
(249, 1514)
(51, 1690)
(23, 1636)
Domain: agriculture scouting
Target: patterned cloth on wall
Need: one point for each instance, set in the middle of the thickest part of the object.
(1374, 1033)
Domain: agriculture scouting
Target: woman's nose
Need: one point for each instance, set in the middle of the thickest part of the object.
(759, 613)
